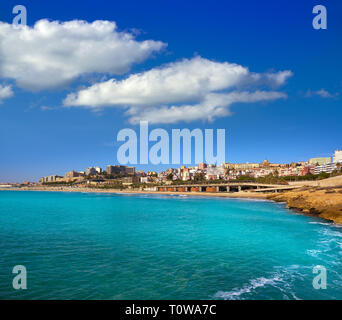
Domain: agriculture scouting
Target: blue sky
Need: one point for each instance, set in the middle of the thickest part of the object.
(40, 135)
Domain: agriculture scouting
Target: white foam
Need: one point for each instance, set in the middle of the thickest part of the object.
(321, 223)
(313, 253)
(329, 224)
(331, 233)
(282, 279)
(253, 284)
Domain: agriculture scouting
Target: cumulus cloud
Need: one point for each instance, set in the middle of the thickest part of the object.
(274, 79)
(176, 82)
(187, 90)
(212, 107)
(5, 92)
(53, 53)
(321, 93)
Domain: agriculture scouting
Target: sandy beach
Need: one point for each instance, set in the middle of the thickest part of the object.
(242, 194)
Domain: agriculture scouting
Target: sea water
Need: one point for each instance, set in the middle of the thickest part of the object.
(114, 246)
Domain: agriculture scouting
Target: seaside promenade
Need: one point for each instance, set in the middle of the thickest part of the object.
(226, 187)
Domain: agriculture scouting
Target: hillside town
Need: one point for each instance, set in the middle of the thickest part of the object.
(126, 175)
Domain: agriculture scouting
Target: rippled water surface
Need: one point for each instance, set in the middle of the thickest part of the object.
(107, 246)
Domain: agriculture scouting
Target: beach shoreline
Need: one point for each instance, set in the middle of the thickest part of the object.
(238, 195)
(325, 203)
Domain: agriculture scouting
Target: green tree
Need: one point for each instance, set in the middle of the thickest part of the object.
(199, 177)
(169, 177)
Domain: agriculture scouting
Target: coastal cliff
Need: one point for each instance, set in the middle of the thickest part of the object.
(325, 202)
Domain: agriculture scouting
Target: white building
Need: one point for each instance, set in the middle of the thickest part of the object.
(90, 171)
(98, 169)
(329, 167)
(145, 179)
(6, 186)
(52, 178)
(338, 156)
(217, 172)
(186, 176)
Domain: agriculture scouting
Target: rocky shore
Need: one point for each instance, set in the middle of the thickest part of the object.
(324, 202)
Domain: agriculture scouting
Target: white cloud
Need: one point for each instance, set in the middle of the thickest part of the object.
(213, 106)
(322, 93)
(5, 92)
(274, 79)
(186, 80)
(187, 90)
(175, 82)
(47, 108)
(51, 54)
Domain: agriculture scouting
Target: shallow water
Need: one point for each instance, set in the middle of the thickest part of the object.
(110, 246)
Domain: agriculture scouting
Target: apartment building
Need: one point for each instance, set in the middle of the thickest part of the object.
(120, 170)
(337, 156)
(49, 179)
(328, 168)
(320, 161)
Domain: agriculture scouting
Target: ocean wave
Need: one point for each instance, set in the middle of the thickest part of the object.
(322, 223)
(331, 233)
(328, 224)
(314, 253)
(254, 200)
(248, 288)
(124, 193)
(282, 279)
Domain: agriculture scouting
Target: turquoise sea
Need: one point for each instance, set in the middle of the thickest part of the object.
(111, 246)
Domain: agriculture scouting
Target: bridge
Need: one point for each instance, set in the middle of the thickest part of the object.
(226, 187)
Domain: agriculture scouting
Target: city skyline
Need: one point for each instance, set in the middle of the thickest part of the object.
(275, 107)
(212, 171)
